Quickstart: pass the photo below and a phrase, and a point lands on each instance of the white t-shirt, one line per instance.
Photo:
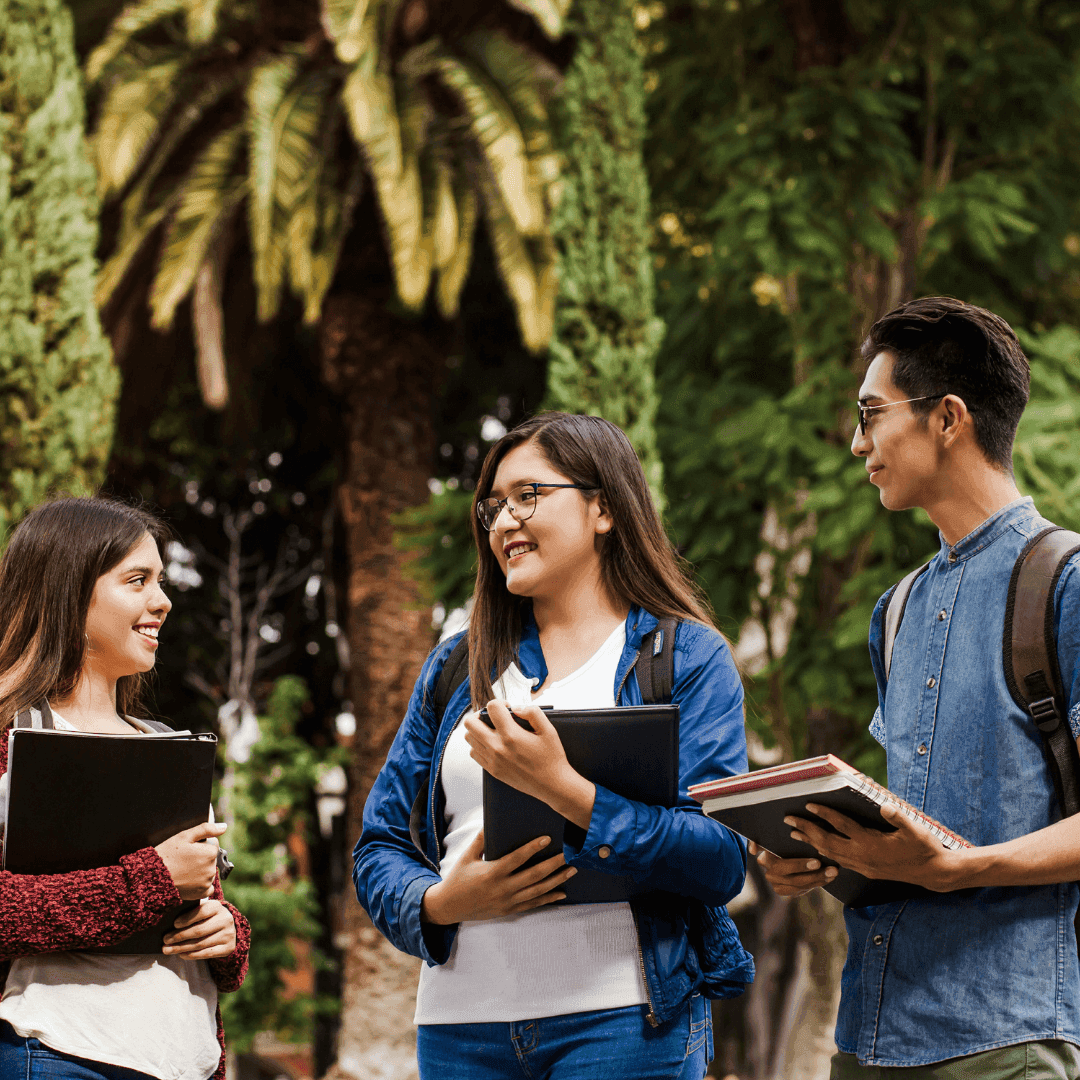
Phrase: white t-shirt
(552, 960)
(153, 1014)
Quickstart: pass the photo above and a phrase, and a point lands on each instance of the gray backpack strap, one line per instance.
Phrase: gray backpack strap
(1029, 648)
(39, 717)
(894, 612)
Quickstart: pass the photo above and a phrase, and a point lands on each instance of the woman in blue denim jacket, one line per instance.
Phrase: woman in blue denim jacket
(574, 570)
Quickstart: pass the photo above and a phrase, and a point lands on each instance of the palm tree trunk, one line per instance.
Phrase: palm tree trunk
(385, 370)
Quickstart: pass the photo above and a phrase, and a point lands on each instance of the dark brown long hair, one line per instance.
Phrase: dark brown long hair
(638, 564)
(47, 578)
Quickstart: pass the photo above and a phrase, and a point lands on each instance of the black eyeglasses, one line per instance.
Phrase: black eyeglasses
(521, 502)
(864, 409)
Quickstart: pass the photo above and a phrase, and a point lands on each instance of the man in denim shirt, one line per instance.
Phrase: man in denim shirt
(980, 979)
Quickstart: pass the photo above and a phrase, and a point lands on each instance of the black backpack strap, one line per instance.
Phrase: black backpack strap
(655, 664)
(895, 606)
(1029, 649)
(452, 675)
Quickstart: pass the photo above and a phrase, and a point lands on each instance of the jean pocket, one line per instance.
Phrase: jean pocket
(700, 1025)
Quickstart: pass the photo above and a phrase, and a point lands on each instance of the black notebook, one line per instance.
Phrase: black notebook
(78, 801)
(755, 805)
(632, 751)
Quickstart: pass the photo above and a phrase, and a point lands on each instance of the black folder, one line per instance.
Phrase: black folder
(632, 751)
(78, 801)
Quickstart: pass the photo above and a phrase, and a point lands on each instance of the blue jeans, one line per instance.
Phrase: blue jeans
(609, 1044)
(28, 1059)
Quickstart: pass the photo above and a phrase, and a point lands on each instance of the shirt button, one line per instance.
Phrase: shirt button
(952, 556)
(878, 939)
(922, 748)
(941, 615)
(604, 852)
(931, 682)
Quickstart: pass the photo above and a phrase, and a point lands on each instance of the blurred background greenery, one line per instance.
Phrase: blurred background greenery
(339, 247)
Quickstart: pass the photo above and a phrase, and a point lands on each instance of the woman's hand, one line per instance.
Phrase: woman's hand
(207, 932)
(476, 890)
(191, 859)
(530, 761)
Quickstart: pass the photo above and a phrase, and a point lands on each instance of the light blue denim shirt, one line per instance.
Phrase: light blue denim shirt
(957, 973)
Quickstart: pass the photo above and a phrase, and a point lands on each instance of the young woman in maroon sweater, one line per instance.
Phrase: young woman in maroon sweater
(81, 603)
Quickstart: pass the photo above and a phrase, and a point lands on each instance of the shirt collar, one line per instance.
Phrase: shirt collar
(1019, 510)
(530, 657)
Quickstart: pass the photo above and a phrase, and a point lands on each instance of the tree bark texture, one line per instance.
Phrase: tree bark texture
(384, 370)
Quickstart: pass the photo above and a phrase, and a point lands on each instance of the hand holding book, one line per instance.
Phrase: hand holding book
(912, 853)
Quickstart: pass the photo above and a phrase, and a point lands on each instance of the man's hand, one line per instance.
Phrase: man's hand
(476, 889)
(191, 859)
(911, 854)
(792, 877)
(530, 761)
(207, 932)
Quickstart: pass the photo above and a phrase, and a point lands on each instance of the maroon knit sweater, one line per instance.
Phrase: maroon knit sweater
(87, 908)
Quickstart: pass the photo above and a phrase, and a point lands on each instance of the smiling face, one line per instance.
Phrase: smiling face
(903, 455)
(559, 545)
(127, 609)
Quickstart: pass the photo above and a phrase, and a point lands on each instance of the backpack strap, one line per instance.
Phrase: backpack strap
(655, 664)
(452, 675)
(43, 719)
(1029, 648)
(895, 606)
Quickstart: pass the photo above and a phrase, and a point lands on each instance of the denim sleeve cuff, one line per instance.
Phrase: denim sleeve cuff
(1074, 720)
(612, 818)
(877, 726)
(433, 943)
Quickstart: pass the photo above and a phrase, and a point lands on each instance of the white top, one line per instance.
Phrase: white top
(552, 960)
(153, 1014)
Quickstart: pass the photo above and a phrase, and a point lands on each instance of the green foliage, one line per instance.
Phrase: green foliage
(440, 532)
(268, 803)
(937, 151)
(1045, 456)
(606, 332)
(57, 384)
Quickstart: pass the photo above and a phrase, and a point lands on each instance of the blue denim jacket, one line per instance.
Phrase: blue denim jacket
(966, 971)
(692, 864)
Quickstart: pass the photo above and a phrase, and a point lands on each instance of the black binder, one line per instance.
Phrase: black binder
(632, 751)
(78, 801)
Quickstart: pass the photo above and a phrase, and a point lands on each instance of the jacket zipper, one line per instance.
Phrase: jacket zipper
(651, 1014)
(434, 785)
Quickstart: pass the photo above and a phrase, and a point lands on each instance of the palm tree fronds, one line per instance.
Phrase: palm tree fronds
(370, 105)
(493, 125)
(182, 123)
(131, 117)
(343, 21)
(455, 270)
(528, 274)
(201, 20)
(208, 196)
(444, 216)
(520, 75)
(550, 14)
(284, 117)
(112, 273)
(135, 17)
(336, 216)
